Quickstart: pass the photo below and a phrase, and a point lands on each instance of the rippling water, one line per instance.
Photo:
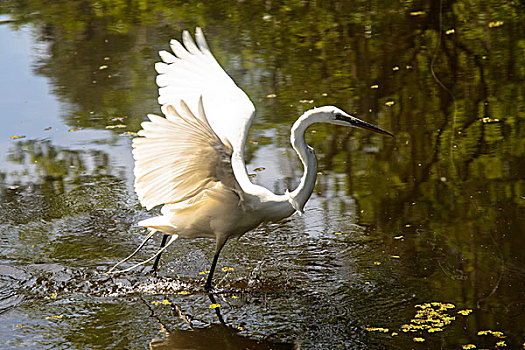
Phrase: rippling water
(435, 214)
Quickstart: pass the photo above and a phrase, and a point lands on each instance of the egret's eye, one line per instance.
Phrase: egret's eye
(338, 116)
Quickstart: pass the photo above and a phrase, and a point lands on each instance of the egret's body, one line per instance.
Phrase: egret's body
(192, 161)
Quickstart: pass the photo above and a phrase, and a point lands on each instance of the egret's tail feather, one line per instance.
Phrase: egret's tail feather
(172, 239)
(150, 234)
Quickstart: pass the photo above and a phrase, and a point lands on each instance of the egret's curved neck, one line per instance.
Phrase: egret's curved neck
(298, 197)
(302, 193)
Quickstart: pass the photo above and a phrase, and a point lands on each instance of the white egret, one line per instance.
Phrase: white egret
(192, 160)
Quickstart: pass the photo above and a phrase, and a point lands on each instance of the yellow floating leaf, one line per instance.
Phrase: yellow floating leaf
(20, 325)
(258, 169)
(377, 329)
(434, 330)
(417, 13)
(389, 103)
(419, 339)
(252, 175)
(377, 262)
(240, 328)
(495, 24)
(55, 317)
(184, 292)
(324, 94)
(52, 296)
(395, 68)
(465, 312)
(74, 129)
(214, 306)
(204, 272)
(234, 297)
(501, 344)
(398, 237)
(17, 137)
(450, 31)
(488, 120)
(395, 256)
(306, 101)
(468, 346)
(394, 334)
(374, 86)
(159, 302)
(131, 133)
(271, 96)
(338, 233)
(118, 126)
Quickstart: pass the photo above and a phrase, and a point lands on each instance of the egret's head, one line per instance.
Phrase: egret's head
(334, 115)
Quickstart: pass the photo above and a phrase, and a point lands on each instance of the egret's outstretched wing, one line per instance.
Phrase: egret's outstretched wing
(193, 72)
(179, 158)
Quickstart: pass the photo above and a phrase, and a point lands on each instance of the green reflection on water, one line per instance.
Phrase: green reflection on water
(451, 182)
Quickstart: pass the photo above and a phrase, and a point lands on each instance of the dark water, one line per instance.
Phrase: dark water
(434, 215)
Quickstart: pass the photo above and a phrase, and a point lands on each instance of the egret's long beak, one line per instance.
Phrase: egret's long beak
(363, 125)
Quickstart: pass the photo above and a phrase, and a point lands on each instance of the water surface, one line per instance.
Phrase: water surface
(434, 215)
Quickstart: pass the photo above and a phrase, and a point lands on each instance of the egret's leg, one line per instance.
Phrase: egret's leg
(162, 244)
(217, 309)
(172, 239)
(150, 234)
(218, 247)
(207, 286)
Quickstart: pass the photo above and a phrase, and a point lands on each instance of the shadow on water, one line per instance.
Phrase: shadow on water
(215, 336)
(434, 215)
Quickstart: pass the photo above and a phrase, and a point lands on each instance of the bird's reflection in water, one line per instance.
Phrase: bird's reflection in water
(215, 337)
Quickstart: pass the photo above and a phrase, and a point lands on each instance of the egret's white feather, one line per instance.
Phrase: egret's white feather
(194, 72)
(178, 158)
(166, 57)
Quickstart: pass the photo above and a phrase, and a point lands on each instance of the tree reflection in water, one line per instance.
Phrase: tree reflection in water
(450, 186)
